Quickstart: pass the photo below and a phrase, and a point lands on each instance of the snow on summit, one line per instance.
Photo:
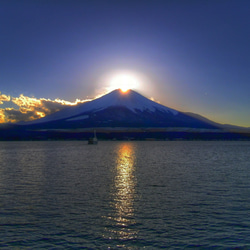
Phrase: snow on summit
(130, 99)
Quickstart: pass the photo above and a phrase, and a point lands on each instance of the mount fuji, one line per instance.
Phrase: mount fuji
(118, 109)
(122, 116)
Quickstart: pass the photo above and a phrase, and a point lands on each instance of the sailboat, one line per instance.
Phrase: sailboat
(93, 140)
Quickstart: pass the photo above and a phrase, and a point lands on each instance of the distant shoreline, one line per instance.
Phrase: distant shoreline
(139, 134)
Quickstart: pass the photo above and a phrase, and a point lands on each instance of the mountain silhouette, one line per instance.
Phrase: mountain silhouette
(118, 109)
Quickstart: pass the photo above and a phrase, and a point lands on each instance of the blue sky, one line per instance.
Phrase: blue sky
(189, 55)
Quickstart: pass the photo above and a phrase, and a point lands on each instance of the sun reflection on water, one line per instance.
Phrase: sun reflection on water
(124, 194)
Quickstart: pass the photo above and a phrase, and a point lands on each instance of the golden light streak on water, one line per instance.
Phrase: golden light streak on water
(124, 194)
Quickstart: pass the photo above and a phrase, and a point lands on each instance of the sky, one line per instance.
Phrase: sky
(189, 55)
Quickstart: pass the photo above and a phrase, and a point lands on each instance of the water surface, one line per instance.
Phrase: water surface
(132, 195)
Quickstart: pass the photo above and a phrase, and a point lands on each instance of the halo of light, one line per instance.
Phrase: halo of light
(124, 82)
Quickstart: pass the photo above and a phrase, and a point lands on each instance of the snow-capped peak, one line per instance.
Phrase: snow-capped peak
(131, 100)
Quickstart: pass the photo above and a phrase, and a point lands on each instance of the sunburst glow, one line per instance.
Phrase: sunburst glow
(124, 82)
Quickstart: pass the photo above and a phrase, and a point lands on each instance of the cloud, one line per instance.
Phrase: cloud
(2, 116)
(4, 98)
(31, 108)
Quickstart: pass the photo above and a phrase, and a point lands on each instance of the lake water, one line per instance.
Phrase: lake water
(127, 195)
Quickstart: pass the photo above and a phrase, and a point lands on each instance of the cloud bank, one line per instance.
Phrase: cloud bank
(31, 108)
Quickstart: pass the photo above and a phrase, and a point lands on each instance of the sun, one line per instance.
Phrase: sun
(124, 82)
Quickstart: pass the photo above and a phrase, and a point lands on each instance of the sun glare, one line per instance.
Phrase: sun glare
(124, 82)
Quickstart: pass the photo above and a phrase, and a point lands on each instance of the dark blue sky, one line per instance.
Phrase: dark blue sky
(189, 55)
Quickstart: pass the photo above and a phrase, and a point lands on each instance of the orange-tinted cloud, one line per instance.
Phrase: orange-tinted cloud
(4, 98)
(2, 116)
(31, 108)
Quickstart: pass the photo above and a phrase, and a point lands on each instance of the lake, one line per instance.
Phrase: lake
(125, 194)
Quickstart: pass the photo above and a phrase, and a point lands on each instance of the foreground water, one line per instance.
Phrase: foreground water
(128, 195)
